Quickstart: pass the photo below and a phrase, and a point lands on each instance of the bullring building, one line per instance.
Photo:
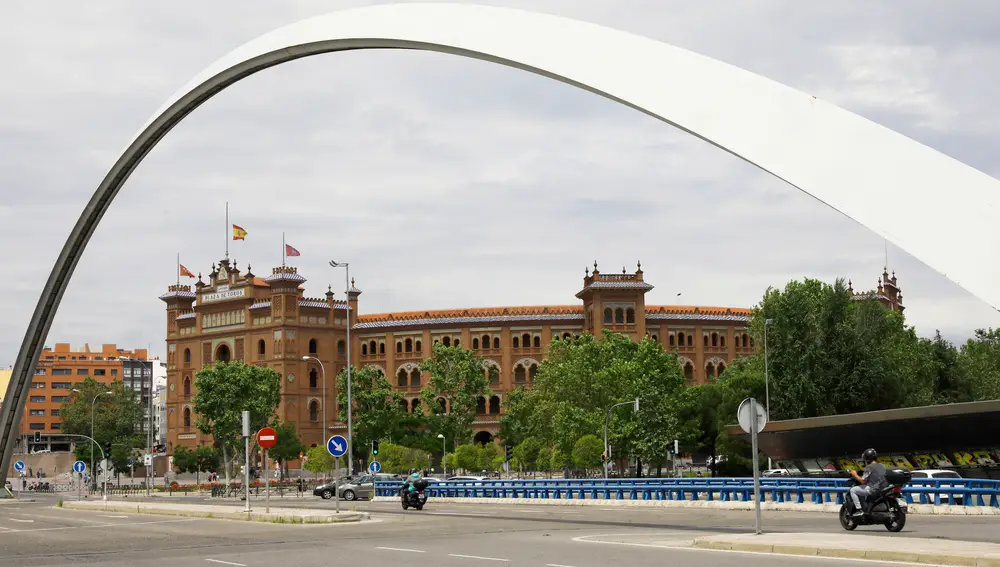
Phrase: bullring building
(269, 321)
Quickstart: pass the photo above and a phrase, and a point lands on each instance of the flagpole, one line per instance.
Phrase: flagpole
(227, 230)
(178, 268)
(283, 250)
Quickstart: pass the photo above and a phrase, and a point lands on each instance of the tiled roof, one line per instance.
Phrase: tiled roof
(696, 316)
(620, 285)
(466, 320)
(313, 303)
(185, 316)
(688, 313)
(181, 294)
(261, 305)
(284, 277)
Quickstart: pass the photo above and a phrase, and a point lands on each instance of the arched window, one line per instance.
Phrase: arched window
(710, 371)
(689, 372)
(442, 406)
(415, 378)
(364, 349)
(187, 355)
(722, 340)
(314, 411)
(381, 348)
(312, 346)
(475, 343)
(223, 354)
(630, 316)
(496, 342)
(458, 343)
(680, 338)
(480, 405)
(404, 405)
(744, 340)
(399, 347)
(607, 316)
(372, 347)
(656, 339)
(415, 406)
(408, 345)
(341, 348)
(187, 386)
(313, 378)
(721, 369)
(715, 339)
(261, 348)
(537, 342)
(567, 336)
(706, 339)
(532, 372)
(520, 375)
(495, 405)
(187, 417)
(690, 340)
(619, 315)
(486, 341)
(420, 345)
(516, 342)
(401, 378)
(670, 340)
(446, 341)
(526, 340)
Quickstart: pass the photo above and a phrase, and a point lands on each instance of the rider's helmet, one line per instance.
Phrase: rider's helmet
(869, 455)
(415, 476)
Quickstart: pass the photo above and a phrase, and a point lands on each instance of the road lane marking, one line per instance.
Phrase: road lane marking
(401, 549)
(226, 562)
(108, 525)
(556, 565)
(457, 514)
(116, 517)
(478, 557)
(22, 521)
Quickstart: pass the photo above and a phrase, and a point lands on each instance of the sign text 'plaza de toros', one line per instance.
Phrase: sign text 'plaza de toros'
(270, 322)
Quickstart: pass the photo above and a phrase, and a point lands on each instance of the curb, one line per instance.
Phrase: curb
(276, 518)
(846, 553)
(829, 508)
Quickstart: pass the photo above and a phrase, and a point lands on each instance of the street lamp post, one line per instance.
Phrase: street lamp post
(767, 388)
(350, 428)
(607, 420)
(93, 406)
(322, 371)
(444, 455)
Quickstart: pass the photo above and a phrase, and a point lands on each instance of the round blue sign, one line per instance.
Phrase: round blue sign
(337, 445)
(374, 467)
(19, 466)
(79, 466)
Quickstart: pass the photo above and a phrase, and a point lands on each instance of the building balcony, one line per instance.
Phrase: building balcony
(413, 355)
(620, 327)
(526, 351)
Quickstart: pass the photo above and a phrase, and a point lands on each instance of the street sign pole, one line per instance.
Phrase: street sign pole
(267, 484)
(756, 465)
(336, 486)
(246, 458)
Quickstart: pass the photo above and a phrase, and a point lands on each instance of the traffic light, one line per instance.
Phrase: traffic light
(107, 450)
(38, 437)
(508, 452)
(375, 447)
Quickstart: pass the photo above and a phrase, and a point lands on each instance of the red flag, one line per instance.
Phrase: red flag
(185, 271)
(289, 251)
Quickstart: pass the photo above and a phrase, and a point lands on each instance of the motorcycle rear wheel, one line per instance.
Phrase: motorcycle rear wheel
(846, 521)
(898, 518)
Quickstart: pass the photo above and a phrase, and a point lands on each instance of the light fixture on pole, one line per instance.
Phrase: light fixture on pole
(444, 454)
(607, 420)
(322, 370)
(767, 388)
(350, 428)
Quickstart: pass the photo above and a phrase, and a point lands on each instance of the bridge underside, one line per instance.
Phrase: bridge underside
(960, 437)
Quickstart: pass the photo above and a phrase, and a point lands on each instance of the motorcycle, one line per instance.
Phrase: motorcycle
(887, 507)
(414, 498)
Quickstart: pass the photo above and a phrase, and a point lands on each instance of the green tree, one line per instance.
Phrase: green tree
(587, 452)
(376, 414)
(951, 379)
(527, 453)
(318, 460)
(467, 457)
(699, 414)
(115, 418)
(489, 457)
(225, 391)
(460, 377)
(543, 462)
(560, 460)
(206, 460)
(980, 361)
(287, 447)
(185, 460)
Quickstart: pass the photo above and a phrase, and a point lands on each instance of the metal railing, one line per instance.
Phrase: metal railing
(966, 492)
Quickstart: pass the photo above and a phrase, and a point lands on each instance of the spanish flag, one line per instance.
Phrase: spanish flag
(239, 233)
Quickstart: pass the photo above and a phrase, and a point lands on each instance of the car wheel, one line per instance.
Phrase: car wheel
(327, 494)
(349, 495)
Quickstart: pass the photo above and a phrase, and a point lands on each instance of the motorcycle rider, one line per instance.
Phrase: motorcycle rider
(872, 481)
(408, 484)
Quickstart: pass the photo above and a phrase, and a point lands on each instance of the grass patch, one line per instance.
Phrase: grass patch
(59, 503)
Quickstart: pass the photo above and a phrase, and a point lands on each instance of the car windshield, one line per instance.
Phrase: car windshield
(947, 475)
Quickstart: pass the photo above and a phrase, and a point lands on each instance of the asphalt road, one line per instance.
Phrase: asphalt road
(37, 534)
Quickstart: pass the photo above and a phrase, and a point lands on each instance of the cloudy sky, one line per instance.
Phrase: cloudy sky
(455, 183)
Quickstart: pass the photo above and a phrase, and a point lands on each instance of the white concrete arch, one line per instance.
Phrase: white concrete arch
(934, 207)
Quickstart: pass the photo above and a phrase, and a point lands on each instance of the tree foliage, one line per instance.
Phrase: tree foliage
(980, 362)
(287, 446)
(396, 459)
(460, 377)
(587, 452)
(318, 460)
(115, 418)
(376, 414)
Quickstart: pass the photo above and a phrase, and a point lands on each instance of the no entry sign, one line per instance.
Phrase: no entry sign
(267, 437)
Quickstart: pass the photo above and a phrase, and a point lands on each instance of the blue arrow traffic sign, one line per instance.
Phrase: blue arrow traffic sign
(374, 467)
(337, 445)
(79, 466)
(19, 466)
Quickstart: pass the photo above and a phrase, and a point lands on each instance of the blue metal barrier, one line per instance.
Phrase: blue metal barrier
(967, 492)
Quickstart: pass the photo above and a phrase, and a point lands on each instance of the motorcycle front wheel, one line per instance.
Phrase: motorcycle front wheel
(898, 518)
(846, 521)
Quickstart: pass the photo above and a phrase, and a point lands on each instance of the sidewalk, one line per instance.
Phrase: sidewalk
(857, 546)
(257, 513)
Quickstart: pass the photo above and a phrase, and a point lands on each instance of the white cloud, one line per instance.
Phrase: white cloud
(448, 182)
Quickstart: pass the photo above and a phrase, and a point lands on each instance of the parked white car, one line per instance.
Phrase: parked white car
(941, 474)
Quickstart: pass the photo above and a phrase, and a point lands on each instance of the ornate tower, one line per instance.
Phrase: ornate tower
(615, 301)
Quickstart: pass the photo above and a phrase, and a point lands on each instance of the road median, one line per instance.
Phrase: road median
(858, 546)
(257, 513)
